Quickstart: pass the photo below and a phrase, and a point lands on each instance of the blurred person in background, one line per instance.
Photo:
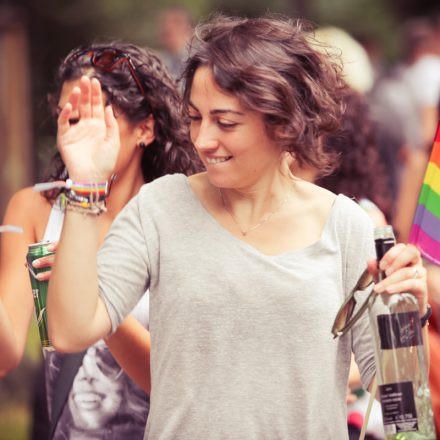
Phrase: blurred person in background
(421, 74)
(356, 67)
(147, 107)
(174, 32)
(404, 108)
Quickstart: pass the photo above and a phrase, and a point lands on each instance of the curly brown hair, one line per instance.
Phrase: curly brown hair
(269, 64)
(361, 173)
(171, 150)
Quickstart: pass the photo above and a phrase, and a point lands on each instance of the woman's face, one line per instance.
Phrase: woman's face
(97, 391)
(128, 132)
(231, 140)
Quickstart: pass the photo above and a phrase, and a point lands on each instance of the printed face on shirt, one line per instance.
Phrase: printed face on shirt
(97, 391)
(231, 140)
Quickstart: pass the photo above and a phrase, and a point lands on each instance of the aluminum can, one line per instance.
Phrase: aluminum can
(39, 290)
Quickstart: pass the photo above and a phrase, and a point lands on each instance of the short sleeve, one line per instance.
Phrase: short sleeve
(357, 244)
(123, 264)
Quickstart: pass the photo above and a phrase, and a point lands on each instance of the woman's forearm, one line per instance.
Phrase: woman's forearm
(130, 346)
(77, 317)
(9, 348)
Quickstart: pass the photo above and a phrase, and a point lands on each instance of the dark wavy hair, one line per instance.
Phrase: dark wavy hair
(270, 65)
(171, 151)
(361, 173)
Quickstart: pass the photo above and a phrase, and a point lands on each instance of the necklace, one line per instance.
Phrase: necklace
(263, 220)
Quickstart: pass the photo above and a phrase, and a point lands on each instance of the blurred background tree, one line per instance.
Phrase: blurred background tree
(36, 34)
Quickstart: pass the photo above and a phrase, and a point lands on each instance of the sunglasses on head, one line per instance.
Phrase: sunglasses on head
(345, 319)
(108, 59)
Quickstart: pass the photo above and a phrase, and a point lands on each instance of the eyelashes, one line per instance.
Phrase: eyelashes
(220, 123)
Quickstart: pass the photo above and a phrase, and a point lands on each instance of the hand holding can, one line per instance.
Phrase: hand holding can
(39, 289)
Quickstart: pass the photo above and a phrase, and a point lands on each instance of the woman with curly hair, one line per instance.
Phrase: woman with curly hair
(246, 267)
(83, 392)
(359, 172)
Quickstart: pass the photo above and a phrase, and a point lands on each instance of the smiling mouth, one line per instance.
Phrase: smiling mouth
(214, 160)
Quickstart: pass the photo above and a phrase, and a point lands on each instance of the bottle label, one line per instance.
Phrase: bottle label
(398, 408)
(399, 330)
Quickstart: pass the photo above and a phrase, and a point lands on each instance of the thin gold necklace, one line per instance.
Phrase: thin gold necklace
(263, 220)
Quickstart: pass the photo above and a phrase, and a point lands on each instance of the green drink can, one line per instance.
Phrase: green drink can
(39, 290)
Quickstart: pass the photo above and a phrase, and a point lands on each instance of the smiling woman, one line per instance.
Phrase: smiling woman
(246, 264)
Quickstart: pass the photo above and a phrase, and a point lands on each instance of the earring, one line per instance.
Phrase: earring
(142, 145)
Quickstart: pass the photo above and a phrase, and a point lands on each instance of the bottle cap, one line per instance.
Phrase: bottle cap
(384, 233)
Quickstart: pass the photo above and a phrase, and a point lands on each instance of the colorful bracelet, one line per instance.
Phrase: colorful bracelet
(80, 196)
(91, 192)
(88, 208)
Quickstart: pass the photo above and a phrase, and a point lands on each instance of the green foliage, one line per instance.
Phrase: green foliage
(373, 18)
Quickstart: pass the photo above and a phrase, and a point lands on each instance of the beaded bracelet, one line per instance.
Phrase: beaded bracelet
(87, 208)
(91, 192)
(80, 196)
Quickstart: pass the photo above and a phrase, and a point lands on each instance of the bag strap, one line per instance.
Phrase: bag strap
(69, 367)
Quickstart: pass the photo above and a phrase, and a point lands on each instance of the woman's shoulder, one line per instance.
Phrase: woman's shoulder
(28, 209)
(344, 212)
(26, 201)
(168, 182)
(166, 189)
(319, 200)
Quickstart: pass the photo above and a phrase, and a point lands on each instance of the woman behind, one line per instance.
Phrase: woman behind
(246, 267)
(88, 394)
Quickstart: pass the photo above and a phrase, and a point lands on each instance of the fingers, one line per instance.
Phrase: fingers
(44, 262)
(411, 278)
(96, 99)
(398, 256)
(404, 273)
(85, 108)
(67, 111)
(52, 247)
(90, 100)
(44, 276)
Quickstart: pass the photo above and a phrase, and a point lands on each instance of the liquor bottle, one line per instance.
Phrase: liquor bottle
(401, 370)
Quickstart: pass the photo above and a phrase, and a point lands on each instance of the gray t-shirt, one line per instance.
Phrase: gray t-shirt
(241, 346)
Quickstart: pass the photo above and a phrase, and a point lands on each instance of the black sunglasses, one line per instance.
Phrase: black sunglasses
(344, 319)
(108, 59)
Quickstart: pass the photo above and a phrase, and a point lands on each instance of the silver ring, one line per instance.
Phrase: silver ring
(416, 273)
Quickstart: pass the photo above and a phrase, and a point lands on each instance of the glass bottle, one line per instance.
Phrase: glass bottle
(401, 369)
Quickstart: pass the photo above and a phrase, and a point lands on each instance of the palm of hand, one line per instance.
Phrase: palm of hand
(90, 146)
(88, 152)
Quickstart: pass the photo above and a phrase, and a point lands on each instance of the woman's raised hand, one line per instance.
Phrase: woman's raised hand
(89, 147)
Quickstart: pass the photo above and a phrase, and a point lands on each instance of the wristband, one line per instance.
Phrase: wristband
(86, 192)
(426, 316)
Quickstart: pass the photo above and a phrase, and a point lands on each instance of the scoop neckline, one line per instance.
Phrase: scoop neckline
(310, 248)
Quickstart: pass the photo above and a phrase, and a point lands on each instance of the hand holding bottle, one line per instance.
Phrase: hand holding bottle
(88, 135)
(404, 273)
